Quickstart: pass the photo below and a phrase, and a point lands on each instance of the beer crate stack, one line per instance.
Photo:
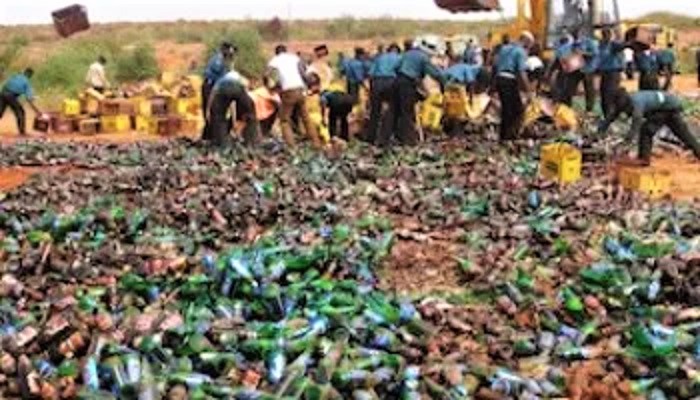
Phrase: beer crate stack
(157, 110)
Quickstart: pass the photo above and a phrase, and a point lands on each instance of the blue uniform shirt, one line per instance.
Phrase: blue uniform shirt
(385, 65)
(647, 61)
(471, 55)
(563, 51)
(611, 58)
(356, 70)
(229, 77)
(19, 84)
(667, 57)
(462, 73)
(511, 58)
(416, 64)
(216, 68)
(590, 48)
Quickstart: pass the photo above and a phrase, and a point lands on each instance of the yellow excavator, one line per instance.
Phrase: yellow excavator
(548, 20)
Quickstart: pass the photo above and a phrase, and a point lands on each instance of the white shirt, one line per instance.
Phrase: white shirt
(96, 76)
(629, 55)
(287, 65)
(534, 63)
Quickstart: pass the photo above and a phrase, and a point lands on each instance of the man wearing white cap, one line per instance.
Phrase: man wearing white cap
(510, 69)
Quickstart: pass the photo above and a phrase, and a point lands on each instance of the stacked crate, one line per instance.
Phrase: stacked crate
(115, 115)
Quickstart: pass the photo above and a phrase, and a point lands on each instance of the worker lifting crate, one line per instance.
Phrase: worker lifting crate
(560, 162)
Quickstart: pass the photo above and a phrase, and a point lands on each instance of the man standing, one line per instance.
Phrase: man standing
(227, 90)
(648, 66)
(17, 86)
(510, 68)
(356, 73)
(650, 111)
(473, 54)
(667, 64)
(590, 50)
(321, 67)
(96, 77)
(291, 71)
(217, 67)
(415, 65)
(382, 75)
(610, 66)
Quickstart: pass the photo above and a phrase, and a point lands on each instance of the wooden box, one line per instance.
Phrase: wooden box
(70, 20)
(89, 126)
(113, 107)
(61, 124)
(165, 126)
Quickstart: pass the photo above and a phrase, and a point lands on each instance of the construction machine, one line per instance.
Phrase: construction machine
(548, 20)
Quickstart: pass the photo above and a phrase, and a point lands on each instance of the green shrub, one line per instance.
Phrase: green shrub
(64, 71)
(250, 60)
(10, 53)
(137, 64)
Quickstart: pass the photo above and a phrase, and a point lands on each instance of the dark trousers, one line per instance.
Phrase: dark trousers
(512, 108)
(649, 80)
(218, 127)
(609, 84)
(99, 89)
(404, 108)
(338, 111)
(11, 100)
(207, 87)
(354, 91)
(267, 124)
(571, 82)
(674, 121)
(698, 73)
(629, 70)
(381, 95)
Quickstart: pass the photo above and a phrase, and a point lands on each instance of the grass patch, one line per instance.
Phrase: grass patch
(64, 71)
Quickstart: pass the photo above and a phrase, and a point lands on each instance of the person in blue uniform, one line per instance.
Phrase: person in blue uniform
(463, 74)
(650, 111)
(382, 77)
(610, 65)
(415, 65)
(15, 88)
(510, 71)
(667, 65)
(569, 81)
(228, 89)
(218, 65)
(356, 71)
(647, 63)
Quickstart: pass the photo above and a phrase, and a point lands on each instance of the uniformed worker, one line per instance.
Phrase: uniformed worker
(667, 64)
(217, 67)
(356, 73)
(415, 65)
(227, 90)
(382, 78)
(510, 71)
(336, 106)
(610, 65)
(650, 111)
(647, 64)
(15, 88)
(463, 74)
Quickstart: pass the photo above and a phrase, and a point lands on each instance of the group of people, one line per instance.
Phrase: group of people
(394, 77)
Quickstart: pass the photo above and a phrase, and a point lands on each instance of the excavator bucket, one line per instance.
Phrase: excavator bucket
(457, 6)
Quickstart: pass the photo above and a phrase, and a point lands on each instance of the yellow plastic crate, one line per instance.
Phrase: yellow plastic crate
(560, 162)
(655, 184)
(431, 116)
(142, 123)
(455, 104)
(70, 108)
(90, 105)
(196, 82)
(317, 120)
(184, 107)
(168, 79)
(115, 123)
